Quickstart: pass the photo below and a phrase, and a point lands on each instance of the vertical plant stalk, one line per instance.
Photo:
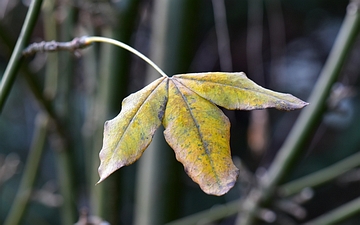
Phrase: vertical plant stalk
(147, 178)
(277, 35)
(113, 84)
(222, 34)
(258, 124)
(99, 193)
(15, 60)
(22, 198)
(64, 146)
(308, 119)
(254, 40)
(157, 179)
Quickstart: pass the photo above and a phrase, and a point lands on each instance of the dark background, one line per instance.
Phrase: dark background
(281, 45)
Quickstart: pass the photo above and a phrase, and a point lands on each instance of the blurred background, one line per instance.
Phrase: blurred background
(280, 44)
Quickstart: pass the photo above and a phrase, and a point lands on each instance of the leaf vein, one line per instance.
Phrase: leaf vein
(198, 129)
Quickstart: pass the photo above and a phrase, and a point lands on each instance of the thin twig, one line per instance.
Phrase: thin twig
(52, 46)
(82, 42)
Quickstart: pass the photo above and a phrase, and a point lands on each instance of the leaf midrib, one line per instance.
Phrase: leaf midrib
(197, 127)
(261, 90)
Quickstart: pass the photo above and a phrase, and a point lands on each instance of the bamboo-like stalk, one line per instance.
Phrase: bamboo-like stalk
(22, 198)
(113, 83)
(148, 183)
(158, 187)
(100, 193)
(64, 147)
(15, 60)
(222, 34)
(308, 119)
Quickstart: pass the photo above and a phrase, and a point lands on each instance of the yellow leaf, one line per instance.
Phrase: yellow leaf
(195, 127)
(199, 133)
(236, 91)
(129, 133)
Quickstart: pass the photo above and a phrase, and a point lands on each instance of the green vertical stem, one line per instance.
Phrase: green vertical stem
(66, 181)
(114, 72)
(308, 119)
(20, 204)
(52, 73)
(15, 60)
(222, 34)
(64, 147)
(147, 179)
(101, 107)
(158, 187)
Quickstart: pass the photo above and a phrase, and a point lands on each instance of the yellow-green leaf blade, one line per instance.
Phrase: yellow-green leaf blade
(236, 91)
(199, 133)
(129, 133)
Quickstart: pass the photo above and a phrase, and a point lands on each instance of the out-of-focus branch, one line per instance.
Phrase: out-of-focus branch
(15, 60)
(308, 119)
(320, 177)
(339, 214)
(222, 34)
(23, 195)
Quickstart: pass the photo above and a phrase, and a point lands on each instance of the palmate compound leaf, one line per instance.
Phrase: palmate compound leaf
(195, 127)
(129, 133)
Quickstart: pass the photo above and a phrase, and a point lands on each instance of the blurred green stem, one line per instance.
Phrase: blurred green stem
(158, 184)
(64, 146)
(19, 206)
(211, 215)
(320, 177)
(308, 119)
(149, 185)
(312, 180)
(339, 214)
(15, 60)
(222, 35)
(113, 82)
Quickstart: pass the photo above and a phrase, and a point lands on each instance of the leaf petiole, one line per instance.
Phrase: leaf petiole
(89, 40)
(82, 42)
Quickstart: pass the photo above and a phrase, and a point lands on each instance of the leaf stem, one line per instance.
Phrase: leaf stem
(92, 39)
